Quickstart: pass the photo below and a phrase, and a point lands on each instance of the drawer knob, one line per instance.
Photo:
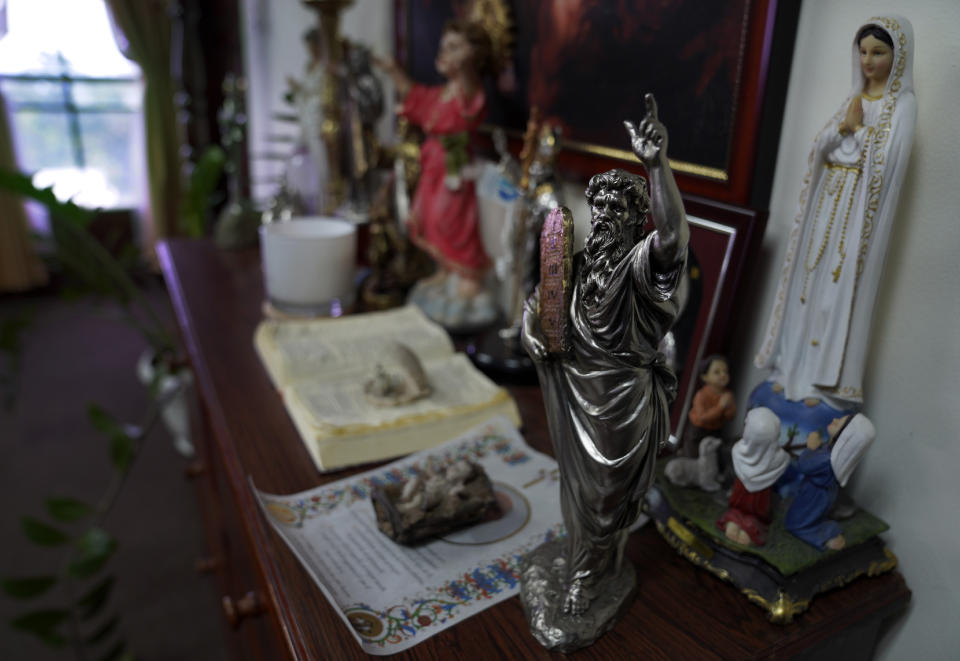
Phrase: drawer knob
(249, 605)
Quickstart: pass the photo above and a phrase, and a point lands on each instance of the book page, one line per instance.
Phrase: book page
(338, 349)
(342, 407)
(392, 597)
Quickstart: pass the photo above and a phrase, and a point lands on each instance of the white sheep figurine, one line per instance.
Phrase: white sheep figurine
(700, 472)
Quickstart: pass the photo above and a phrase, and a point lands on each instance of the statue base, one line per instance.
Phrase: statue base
(441, 303)
(501, 357)
(542, 591)
(378, 297)
(783, 576)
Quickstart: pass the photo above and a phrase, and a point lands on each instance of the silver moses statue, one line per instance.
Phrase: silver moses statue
(606, 388)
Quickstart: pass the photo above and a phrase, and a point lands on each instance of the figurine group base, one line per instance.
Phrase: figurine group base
(782, 594)
(542, 592)
(501, 357)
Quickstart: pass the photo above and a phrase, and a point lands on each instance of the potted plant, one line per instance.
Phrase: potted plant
(82, 621)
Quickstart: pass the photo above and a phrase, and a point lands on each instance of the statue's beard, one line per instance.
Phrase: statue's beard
(603, 250)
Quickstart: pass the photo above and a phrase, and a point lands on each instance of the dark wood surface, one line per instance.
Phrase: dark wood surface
(682, 612)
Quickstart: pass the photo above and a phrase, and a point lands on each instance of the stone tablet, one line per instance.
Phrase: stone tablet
(556, 278)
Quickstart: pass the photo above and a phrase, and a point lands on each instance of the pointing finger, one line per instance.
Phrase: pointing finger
(651, 104)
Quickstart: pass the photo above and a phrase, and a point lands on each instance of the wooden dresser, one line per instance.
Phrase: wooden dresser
(276, 610)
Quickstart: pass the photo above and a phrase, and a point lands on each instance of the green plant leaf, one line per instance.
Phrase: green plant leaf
(39, 620)
(85, 263)
(86, 258)
(116, 652)
(122, 446)
(103, 631)
(26, 588)
(39, 532)
(11, 330)
(18, 182)
(88, 565)
(91, 603)
(43, 624)
(121, 451)
(101, 420)
(94, 549)
(129, 257)
(22, 184)
(51, 638)
(68, 509)
(199, 196)
(161, 370)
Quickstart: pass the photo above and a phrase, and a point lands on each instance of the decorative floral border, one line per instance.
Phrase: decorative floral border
(395, 624)
(295, 512)
(435, 607)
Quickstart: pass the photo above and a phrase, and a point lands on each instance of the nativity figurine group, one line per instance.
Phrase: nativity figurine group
(764, 474)
(803, 433)
(807, 485)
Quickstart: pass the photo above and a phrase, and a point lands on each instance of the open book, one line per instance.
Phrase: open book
(320, 368)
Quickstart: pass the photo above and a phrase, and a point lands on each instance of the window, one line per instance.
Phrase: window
(74, 102)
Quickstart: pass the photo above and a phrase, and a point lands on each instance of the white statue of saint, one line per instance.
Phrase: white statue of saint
(818, 331)
(306, 95)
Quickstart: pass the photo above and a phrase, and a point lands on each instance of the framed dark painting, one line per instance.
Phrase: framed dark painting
(722, 237)
(703, 62)
(586, 65)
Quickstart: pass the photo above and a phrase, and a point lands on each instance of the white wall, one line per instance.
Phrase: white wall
(909, 477)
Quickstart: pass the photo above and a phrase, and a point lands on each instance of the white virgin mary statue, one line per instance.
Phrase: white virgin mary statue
(817, 335)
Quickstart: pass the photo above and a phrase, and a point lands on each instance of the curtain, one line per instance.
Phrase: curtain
(20, 268)
(142, 31)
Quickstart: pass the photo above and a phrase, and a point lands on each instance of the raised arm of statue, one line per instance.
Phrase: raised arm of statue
(649, 142)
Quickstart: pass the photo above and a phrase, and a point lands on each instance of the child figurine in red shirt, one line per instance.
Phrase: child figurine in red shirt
(713, 405)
